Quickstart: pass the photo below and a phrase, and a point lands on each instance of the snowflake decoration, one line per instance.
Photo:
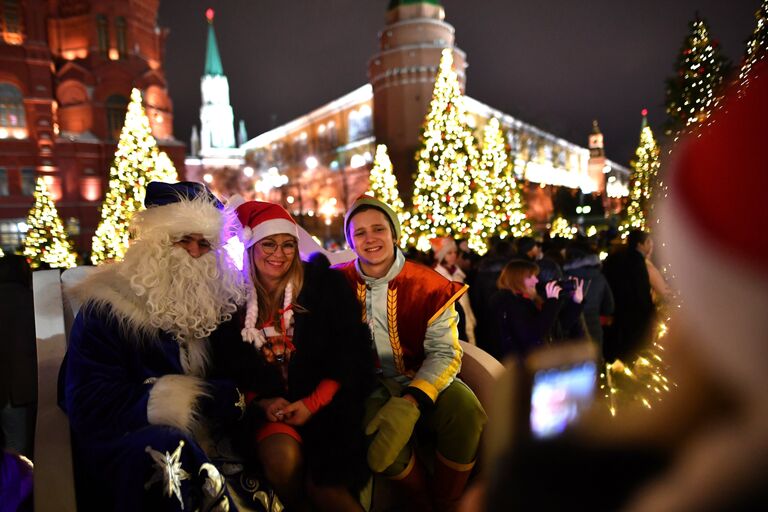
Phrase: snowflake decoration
(168, 469)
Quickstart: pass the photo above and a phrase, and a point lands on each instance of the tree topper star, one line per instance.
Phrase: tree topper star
(168, 469)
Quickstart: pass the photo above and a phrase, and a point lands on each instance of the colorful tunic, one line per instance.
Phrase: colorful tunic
(412, 317)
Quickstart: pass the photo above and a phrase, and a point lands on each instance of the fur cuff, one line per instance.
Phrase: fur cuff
(173, 401)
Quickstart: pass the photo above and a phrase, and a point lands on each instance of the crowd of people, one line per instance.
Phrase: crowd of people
(186, 379)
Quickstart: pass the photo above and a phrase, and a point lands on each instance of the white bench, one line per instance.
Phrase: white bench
(54, 483)
(54, 489)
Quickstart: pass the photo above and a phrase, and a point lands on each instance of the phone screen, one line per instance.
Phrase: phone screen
(559, 395)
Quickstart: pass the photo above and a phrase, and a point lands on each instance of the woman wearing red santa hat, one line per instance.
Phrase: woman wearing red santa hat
(304, 357)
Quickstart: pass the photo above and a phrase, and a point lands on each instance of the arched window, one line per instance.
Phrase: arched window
(11, 22)
(116, 107)
(12, 113)
(120, 35)
(103, 30)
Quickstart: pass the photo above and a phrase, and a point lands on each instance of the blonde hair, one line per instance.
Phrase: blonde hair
(270, 303)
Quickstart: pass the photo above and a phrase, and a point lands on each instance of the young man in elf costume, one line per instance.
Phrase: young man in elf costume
(135, 382)
(410, 311)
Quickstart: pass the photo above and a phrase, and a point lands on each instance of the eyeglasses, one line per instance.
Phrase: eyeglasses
(270, 246)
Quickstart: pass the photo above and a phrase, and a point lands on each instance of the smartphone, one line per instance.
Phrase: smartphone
(561, 384)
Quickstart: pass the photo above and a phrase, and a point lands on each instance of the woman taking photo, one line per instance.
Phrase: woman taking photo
(303, 359)
(523, 320)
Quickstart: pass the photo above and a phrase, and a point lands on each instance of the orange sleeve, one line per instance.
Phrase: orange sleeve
(321, 396)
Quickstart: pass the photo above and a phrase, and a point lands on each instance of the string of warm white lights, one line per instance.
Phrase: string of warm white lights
(695, 90)
(645, 169)
(45, 241)
(447, 164)
(383, 185)
(137, 162)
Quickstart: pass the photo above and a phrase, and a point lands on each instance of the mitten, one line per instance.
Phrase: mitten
(393, 426)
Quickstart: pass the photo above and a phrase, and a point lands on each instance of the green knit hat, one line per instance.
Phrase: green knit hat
(366, 200)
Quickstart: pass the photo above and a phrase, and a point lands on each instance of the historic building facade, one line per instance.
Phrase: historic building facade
(318, 164)
(67, 68)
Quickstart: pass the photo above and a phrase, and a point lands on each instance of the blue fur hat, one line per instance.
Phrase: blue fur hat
(161, 194)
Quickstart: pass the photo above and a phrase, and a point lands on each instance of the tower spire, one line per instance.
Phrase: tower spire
(216, 116)
(213, 65)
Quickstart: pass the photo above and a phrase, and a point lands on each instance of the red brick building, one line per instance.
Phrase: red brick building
(67, 68)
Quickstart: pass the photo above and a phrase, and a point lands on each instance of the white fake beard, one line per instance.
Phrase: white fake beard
(188, 297)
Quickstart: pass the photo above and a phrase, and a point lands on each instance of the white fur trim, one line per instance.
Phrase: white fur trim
(180, 218)
(234, 201)
(196, 360)
(173, 401)
(105, 286)
(271, 227)
(724, 301)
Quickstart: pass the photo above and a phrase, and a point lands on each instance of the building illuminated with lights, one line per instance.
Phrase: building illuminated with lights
(317, 164)
(66, 72)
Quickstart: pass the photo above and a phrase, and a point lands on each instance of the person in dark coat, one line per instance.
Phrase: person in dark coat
(482, 289)
(304, 358)
(18, 361)
(627, 275)
(583, 262)
(523, 320)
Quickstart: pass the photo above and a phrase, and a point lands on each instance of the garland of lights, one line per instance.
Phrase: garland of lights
(383, 186)
(45, 241)
(757, 46)
(497, 195)
(447, 165)
(642, 381)
(694, 91)
(137, 162)
(645, 169)
(562, 229)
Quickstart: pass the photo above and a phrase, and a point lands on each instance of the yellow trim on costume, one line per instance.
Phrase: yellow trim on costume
(456, 466)
(407, 471)
(426, 387)
(361, 299)
(452, 369)
(448, 303)
(394, 336)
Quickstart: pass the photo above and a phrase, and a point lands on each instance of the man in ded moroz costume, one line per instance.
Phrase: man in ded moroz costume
(134, 380)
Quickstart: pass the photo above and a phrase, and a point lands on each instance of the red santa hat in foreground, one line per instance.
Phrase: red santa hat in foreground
(260, 220)
(712, 234)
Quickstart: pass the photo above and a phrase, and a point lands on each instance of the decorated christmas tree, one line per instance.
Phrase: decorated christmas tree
(757, 45)
(694, 91)
(46, 242)
(645, 168)
(447, 164)
(137, 162)
(504, 213)
(383, 185)
(561, 229)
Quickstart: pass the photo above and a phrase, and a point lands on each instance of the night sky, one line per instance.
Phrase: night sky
(556, 64)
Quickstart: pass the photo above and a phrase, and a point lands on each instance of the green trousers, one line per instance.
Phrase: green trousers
(452, 427)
